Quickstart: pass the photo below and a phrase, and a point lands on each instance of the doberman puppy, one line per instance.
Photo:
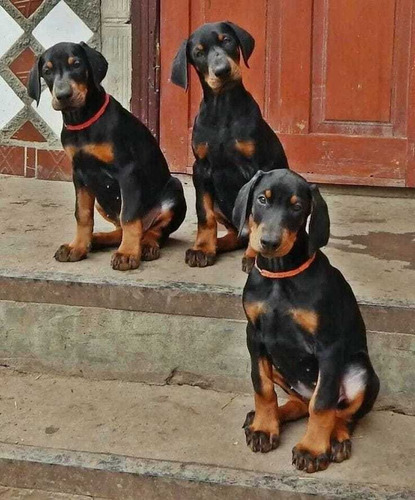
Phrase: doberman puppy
(231, 141)
(116, 161)
(305, 331)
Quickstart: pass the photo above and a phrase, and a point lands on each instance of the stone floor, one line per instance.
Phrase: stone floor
(372, 242)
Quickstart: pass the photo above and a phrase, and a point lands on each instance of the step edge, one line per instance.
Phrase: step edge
(194, 472)
(164, 297)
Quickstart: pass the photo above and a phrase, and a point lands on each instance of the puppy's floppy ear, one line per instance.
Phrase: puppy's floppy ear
(97, 62)
(319, 228)
(243, 204)
(179, 69)
(33, 86)
(246, 41)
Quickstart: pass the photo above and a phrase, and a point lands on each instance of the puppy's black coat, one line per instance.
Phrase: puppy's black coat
(305, 331)
(116, 161)
(231, 141)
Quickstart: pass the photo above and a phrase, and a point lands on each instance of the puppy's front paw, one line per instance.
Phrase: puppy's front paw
(68, 253)
(307, 461)
(198, 258)
(259, 440)
(150, 252)
(124, 262)
(247, 264)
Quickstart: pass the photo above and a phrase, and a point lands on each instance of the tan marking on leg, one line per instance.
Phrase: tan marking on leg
(84, 214)
(110, 239)
(152, 237)
(293, 409)
(132, 233)
(246, 148)
(207, 235)
(319, 429)
(308, 320)
(201, 150)
(266, 403)
(254, 309)
(228, 242)
(279, 379)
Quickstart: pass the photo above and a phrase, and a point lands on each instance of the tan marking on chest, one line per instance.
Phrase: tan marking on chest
(255, 309)
(246, 148)
(201, 150)
(308, 320)
(103, 151)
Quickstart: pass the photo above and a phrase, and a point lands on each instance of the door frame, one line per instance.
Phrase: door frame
(145, 59)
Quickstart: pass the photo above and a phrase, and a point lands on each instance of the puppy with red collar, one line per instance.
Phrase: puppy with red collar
(305, 331)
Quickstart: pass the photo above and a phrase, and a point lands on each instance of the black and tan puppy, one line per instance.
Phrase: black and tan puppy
(117, 163)
(231, 141)
(305, 331)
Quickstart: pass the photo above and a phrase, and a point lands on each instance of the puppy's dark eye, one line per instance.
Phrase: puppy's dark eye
(297, 207)
(262, 199)
(76, 63)
(226, 39)
(198, 54)
(47, 71)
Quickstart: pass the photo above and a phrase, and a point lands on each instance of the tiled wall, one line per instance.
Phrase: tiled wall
(29, 135)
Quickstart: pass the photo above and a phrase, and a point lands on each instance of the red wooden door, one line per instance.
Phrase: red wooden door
(334, 78)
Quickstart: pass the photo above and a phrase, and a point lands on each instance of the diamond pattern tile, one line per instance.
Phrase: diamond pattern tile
(11, 160)
(10, 31)
(61, 25)
(22, 65)
(10, 104)
(52, 118)
(28, 132)
(27, 7)
(53, 166)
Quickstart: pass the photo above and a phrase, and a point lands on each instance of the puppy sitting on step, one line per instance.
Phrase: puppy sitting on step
(305, 331)
(117, 163)
(231, 141)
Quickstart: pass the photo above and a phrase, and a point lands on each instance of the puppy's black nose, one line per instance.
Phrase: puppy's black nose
(269, 244)
(222, 71)
(63, 93)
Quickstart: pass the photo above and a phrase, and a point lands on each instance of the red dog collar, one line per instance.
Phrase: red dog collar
(93, 119)
(286, 274)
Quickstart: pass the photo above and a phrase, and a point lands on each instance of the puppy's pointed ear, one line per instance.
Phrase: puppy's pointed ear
(97, 63)
(246, 41)
(319, 228)
(33, 86)
(243, 205)
(179, 69)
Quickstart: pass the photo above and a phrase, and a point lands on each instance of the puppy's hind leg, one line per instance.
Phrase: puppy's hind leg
(106, 239)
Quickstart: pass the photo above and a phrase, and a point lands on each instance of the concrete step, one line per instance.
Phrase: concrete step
(166, 321)
(113, 439)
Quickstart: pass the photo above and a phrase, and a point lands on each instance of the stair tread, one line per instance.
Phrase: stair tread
(371, 244)
(186, 425)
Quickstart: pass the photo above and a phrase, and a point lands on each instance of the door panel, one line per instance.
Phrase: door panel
(334, 78)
